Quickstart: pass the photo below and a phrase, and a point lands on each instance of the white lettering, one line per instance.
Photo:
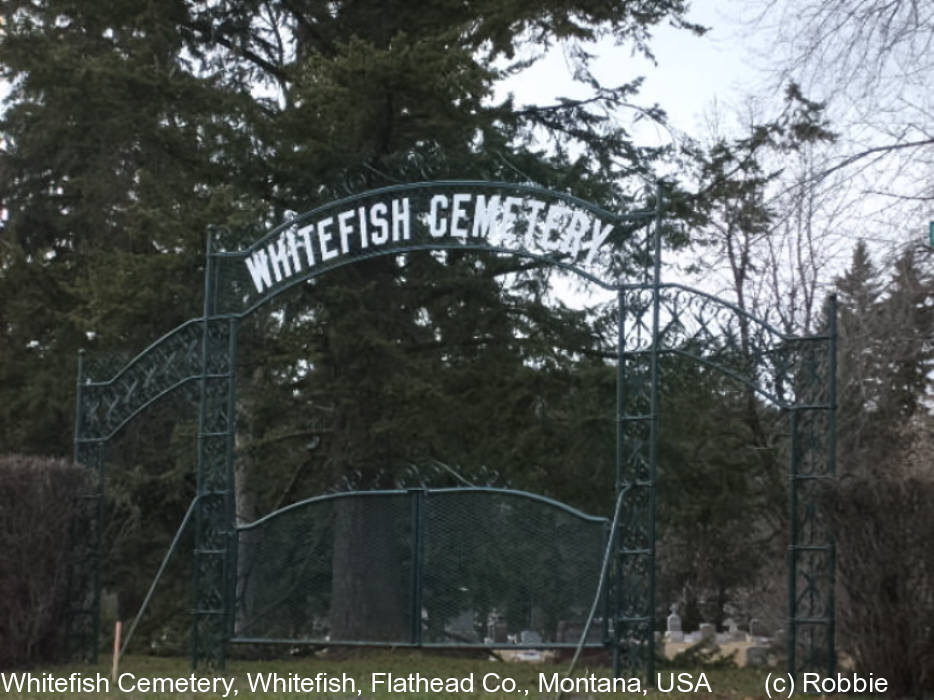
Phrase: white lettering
(305, 233)
(258, 266)
(504, 222)
(324, 237)
(508, 220)
(130, 678)
(279, 259)
(362, 224)
(436, 228)
(400, 219)
(597, 237)
(458, 214)
(554, 220)
(345, 229)
(378, 218)
(571, 240)
(484, 215)
(12, 682)
(535, 209)
(293, 250)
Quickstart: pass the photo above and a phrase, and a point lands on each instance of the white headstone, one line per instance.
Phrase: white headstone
(674, 621)
(732, 630)
(673, 629)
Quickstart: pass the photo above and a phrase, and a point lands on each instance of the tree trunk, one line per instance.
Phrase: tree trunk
(368, 592)
(246, 512)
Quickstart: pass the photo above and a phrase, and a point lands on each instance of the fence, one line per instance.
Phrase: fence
(422, 567)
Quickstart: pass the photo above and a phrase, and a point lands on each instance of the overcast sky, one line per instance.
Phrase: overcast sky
(691, 72)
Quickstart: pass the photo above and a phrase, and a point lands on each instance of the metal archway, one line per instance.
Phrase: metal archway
(794, 373)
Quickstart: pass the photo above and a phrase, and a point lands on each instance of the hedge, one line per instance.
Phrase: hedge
(38, 531)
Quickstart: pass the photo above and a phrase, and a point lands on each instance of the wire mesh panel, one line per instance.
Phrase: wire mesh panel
(506, 567)
(332, 569)
(447, 567)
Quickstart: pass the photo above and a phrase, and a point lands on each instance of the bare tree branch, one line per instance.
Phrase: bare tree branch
(856, 157)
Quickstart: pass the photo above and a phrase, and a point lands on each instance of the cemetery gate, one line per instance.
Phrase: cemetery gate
(655, 318)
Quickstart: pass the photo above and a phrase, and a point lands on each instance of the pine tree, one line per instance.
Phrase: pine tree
(113, 167)
(132, 128)
(858, 364)
(884, 357)
(908, 315)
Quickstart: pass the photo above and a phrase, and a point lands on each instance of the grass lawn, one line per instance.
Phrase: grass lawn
(360, 666)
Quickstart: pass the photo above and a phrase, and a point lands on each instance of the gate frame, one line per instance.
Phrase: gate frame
(202, 352)
(418, 498)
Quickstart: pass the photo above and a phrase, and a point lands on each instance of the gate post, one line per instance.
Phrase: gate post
(82, 631)
(636, 466)
(214, 568)
(417, 527)
(811, 551)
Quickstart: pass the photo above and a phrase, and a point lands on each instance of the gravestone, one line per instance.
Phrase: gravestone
(732, 630)
(497, 630)
(673, 631)
(462, 627)
(571, 631)
(757, 657)
(759, 628)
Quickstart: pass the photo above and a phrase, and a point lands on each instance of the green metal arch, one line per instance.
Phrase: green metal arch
(152, 374)
(783, 342)
(765, 325)
(236, 298)
(210, 359)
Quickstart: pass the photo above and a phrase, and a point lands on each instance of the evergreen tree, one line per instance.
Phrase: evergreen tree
(885, 356)
(132, 128)
(114, 164)
(858, 363)
(908, 313)
(880, 508)
(720, 495)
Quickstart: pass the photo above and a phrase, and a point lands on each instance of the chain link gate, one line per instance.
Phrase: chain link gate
(654, 319)
(465, 567)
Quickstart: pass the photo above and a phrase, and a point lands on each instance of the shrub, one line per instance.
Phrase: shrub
(38, 505)
(884, 530)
